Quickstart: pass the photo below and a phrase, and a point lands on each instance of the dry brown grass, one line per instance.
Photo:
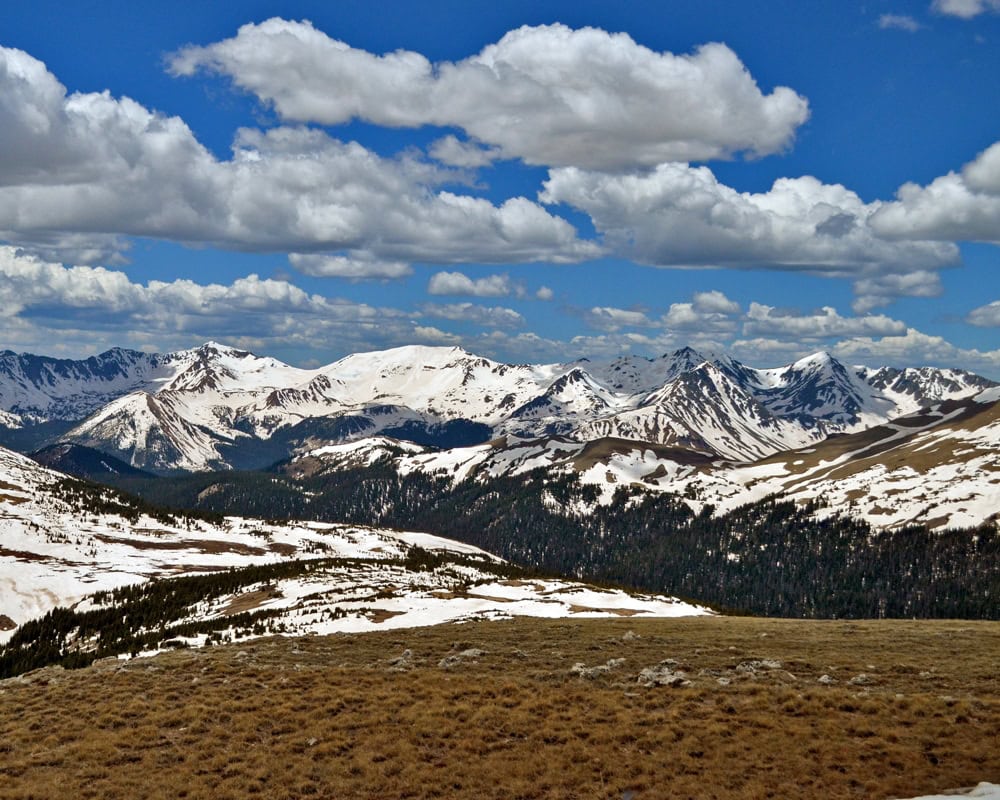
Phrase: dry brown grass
(346, 717)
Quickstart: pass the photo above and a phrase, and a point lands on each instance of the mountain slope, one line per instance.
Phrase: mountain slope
(938, 467)
(215, 407)
(62, 540)
(87, 463)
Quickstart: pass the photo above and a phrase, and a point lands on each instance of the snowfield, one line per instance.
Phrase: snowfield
(984, 791)
(938, 467)
(52, 555)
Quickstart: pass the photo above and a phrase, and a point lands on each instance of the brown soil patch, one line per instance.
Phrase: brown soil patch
(325, 717)
(600, 450)
(618, 612)
(283, 548)
(489, 597)
(250, 601)
(22, 555)
(206, 546)
(378, 615)
(6, 623)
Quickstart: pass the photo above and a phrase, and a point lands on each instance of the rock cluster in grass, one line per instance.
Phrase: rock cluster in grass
(402, 662)
(584, 671)
(454, 659)
(663, 674)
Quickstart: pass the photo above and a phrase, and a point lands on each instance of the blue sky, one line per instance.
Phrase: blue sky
(532, 181)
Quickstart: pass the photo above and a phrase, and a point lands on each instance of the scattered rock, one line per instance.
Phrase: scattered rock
(457, 658)
(584, 671)
(826, 680)
(663, 674)
(757, 665)
(860, 680)
(629, 636)
(401, 662)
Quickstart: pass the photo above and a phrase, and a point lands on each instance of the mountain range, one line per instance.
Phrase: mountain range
(895, 446)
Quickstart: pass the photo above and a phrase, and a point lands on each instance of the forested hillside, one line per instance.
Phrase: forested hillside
(771, 558)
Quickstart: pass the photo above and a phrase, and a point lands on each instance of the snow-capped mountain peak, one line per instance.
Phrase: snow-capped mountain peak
(196, 409)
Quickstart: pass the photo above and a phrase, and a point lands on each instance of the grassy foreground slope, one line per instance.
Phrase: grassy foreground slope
(517, 710)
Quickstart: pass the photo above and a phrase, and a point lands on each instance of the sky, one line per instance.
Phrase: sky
(532, 181)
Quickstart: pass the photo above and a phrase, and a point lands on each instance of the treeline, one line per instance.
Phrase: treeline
(769, 558)
(135, 618)
(144, 616)
(83, 496)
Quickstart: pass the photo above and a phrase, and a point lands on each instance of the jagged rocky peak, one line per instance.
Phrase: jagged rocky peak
(818, 366)
(637, 374)
(575, 375)
(817, 386)
(212, 400)
(685, 357)
(925, 384)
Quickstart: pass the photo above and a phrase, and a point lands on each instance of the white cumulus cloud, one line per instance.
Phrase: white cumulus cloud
(456, 153)
(495, 316)
(549, 95)
(96, 166)
(460, 284)
(987, 316)
(767, 321)
(915, 347)
(708, 313)
(43, 302)
(880, 290)
(351, 267)
(608, 318)
(961, 205)
(716, 302)
(679, 215)
(901, 22)
(966, 9)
